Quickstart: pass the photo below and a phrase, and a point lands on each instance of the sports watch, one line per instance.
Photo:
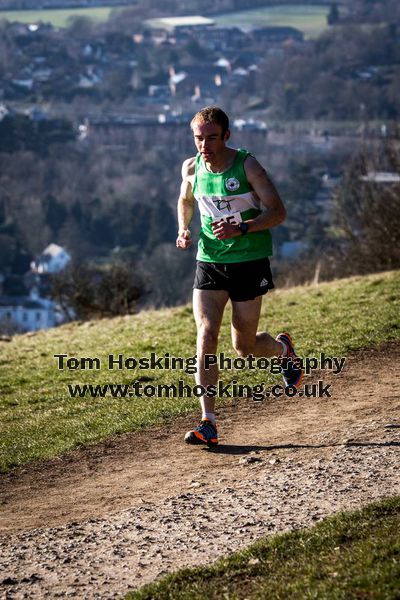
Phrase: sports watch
(243, 227)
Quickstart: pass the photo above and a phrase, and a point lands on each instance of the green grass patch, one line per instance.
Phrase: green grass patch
(59, 17)
(311, 20)
(38, 418)
(353, 555)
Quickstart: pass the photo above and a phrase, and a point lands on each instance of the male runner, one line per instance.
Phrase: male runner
(238, 205)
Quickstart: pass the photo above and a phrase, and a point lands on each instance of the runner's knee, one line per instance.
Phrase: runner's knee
(243, 347)
(206, 335)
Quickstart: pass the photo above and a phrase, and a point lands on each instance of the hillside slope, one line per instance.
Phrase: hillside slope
(40, 420)
(108, 518)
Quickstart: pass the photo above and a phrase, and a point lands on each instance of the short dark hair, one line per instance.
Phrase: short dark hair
(212, 114)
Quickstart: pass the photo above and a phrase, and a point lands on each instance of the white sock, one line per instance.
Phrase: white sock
(285, 348)
(209, 416)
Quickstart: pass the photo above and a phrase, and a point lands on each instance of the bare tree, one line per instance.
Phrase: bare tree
(367, 215)
(87, 291)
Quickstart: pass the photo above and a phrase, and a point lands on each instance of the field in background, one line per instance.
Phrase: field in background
(311, 20)
(39, 420)
(59, 17)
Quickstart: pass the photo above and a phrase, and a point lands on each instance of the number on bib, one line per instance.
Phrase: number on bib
(233, 219)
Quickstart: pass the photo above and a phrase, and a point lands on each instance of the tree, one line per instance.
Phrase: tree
(80, 27)
(88, 292)
(367, 214)
(333, 15)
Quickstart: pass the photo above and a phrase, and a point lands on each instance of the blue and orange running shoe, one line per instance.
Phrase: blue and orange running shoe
(205, 433)
(291, 364)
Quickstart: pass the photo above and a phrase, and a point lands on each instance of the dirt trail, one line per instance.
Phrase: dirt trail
(111, 517)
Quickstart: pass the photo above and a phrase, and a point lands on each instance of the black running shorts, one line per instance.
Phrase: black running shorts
(243, 281)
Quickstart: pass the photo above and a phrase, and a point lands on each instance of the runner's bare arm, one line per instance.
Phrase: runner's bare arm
(185, 205)
(274, 213)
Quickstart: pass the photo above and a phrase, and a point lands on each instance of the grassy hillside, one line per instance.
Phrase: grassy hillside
(352, 555)
(38, 418)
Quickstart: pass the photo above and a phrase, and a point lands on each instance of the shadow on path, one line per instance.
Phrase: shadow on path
(240, 449)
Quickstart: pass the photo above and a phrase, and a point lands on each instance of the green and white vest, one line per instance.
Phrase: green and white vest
(228, 196)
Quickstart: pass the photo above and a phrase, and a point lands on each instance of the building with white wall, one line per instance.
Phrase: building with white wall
(28, 313)
(53, 259)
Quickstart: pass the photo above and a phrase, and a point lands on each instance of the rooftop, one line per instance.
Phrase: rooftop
(53, 250)
(170, 23)
(381, 177)
(22, 301)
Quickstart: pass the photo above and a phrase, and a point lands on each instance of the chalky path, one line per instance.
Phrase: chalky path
(108, 518)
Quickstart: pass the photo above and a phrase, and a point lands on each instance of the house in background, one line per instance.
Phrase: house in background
(381, 177)
(28, 313)
(36, 311)
(53, 259)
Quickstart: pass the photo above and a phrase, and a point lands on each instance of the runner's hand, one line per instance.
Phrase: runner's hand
(223, 230)
(183, 241)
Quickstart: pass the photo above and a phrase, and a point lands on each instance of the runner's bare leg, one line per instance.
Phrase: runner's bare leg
(208, 310)
(245, 338)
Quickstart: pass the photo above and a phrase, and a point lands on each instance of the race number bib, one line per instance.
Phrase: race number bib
(233, 219)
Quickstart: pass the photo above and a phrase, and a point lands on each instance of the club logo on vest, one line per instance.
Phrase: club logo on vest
(232, 184)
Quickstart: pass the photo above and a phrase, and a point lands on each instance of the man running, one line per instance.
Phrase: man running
(238, 205)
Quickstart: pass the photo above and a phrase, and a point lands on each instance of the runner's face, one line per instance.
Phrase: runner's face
(209, 140)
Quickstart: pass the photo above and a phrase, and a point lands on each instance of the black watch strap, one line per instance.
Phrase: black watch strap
(243, 227)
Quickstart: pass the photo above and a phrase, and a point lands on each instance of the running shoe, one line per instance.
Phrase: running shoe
(291, 365)
(205, 433)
